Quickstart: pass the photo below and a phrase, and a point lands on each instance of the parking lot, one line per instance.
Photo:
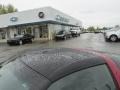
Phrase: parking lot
(86, 41)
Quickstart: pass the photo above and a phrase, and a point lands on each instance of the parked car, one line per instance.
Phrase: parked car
(20, 39)
(75, 32)
(112, 35)
(63, 34)
(61, 69)
(98, 31)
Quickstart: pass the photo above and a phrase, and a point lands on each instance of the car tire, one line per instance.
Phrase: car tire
(56, 38)
(31, 41)
(20, 42)
(10, 44)
(65, 37)
(113, 38)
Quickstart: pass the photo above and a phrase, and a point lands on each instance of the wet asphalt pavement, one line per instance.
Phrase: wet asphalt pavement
(86, 41)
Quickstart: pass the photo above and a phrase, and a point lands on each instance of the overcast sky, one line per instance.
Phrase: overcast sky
(90, 12)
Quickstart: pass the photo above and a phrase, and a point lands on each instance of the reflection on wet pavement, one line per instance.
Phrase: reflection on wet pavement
(87, 41)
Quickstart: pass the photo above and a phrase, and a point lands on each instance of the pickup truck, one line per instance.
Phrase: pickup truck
(112, 35)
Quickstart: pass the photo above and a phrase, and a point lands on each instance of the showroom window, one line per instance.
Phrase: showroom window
(43, 31)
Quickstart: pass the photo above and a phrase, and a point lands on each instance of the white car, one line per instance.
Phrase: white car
(112, 35)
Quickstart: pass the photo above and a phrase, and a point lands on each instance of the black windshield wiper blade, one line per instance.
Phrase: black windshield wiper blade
(12, 58)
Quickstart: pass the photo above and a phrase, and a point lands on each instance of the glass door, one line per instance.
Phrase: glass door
(43, 31)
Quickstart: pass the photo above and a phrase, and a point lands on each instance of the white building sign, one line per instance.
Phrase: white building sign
(61, 19)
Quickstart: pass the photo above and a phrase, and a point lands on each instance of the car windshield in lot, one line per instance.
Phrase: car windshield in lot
(75, 81)
(95, 78)
(61, 32)
(19, 36)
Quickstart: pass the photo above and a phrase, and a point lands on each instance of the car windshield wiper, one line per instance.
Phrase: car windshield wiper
(12, 58)
(108, 86)
(1, 64)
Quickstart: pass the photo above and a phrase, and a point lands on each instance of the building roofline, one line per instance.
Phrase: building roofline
(25, 11)
(43, 22)
(31, 16)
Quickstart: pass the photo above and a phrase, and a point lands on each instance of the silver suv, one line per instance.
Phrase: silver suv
(112, 35)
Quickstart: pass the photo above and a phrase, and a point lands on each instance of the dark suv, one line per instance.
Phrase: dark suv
(20, 39)
(63, 35)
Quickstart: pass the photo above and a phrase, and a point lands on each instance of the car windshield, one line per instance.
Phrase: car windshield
(61, 32)
(73, 30)
(9, 81)
(19, 36)
(95, 78)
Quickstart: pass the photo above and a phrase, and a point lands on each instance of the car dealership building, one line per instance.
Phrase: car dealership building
(43, 23)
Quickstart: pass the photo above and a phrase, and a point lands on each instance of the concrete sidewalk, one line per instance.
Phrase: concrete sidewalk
(3, 41)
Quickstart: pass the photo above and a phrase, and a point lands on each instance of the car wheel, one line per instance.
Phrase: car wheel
(10, 44)
(65, 37)
(113, 38)
(20, 42)
(31, 41)
(56, 38)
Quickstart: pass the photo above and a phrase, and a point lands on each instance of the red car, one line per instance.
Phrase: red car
(61, 69)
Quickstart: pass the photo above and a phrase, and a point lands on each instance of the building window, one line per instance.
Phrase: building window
(29, 30)
(43, 31)
(2, 34)
(19, 32)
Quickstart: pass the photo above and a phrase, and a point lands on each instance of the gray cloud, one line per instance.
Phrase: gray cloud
(91, 12)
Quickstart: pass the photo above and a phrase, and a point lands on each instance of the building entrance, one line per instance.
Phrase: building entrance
(43, 31)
